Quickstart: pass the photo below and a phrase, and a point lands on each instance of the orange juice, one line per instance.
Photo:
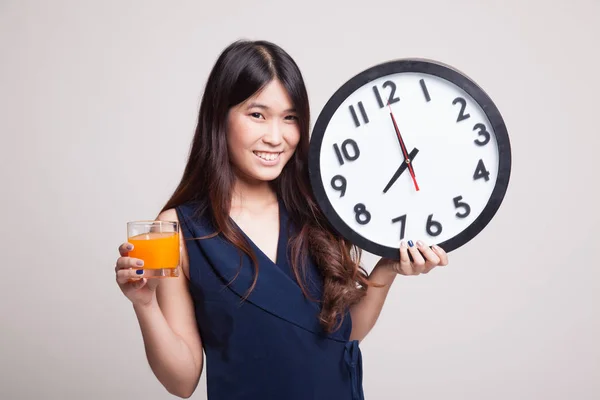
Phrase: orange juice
(159, 250)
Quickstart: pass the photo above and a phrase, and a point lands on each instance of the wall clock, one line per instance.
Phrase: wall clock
(409, 149)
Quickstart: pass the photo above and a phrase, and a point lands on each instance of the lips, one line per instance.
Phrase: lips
(267, 156)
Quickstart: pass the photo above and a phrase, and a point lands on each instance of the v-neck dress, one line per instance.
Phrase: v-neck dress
(269, 345)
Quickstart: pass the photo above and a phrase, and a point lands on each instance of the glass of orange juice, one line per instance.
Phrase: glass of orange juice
(157, 244)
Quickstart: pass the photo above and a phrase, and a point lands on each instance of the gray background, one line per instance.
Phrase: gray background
(98, 103)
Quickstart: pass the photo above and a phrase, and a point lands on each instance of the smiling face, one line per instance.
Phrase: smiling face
(262, 134)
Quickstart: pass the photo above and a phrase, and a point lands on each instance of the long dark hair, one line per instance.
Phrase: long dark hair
(242, 69)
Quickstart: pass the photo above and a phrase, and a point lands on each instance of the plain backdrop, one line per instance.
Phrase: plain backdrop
(98, 104)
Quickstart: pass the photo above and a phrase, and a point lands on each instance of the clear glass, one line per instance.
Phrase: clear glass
(157, 243)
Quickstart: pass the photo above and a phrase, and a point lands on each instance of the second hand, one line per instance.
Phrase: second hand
(403, 147)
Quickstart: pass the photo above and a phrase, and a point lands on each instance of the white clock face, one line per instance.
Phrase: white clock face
(455, 165)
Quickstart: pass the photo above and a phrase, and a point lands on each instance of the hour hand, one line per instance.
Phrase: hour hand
(401, 169)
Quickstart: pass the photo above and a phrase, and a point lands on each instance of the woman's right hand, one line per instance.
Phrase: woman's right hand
(134, 286)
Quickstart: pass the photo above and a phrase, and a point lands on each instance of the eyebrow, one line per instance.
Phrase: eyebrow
(264, 107)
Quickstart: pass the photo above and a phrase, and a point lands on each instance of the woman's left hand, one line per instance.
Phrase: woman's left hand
(424, 258)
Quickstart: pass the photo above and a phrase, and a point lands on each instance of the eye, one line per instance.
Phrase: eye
(257, 115)
(291, 118)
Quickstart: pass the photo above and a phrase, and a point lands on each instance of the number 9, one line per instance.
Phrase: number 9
(338, 182)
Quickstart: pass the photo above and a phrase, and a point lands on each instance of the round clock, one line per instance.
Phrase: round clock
(406, 150)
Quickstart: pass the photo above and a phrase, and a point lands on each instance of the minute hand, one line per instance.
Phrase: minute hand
(400, 170)
(404, 152)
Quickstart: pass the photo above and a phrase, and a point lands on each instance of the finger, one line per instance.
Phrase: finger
(405, 265)
(429, 255)
(128, 262)
(431, 259)
(127, 275)
(441, 253)
(138, 284)
(125, 248)
(418, 260)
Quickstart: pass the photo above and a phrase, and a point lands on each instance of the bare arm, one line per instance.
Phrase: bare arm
(366, 312)
(168, 325)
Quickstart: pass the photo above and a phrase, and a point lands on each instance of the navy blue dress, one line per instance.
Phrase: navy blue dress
(270, 346)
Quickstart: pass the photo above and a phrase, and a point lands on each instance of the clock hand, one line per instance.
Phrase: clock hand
(400, 170)
(403, 146)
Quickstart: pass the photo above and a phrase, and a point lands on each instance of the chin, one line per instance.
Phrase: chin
(257, 176)
(267, 176)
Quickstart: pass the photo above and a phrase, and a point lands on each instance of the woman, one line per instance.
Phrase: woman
(274, 297)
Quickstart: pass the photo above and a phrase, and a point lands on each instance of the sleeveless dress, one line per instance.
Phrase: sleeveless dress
(271, 345)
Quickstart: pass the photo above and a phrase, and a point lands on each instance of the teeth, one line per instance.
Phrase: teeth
(267, 156)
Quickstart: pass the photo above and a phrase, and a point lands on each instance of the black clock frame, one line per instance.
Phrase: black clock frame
(425, 66)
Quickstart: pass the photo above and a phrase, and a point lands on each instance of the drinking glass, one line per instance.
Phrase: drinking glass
(157, 243)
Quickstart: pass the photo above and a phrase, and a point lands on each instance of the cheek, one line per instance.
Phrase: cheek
(247, 133)
(237, 137)
(293, 137)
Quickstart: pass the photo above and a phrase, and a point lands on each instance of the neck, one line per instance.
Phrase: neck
(252, 196)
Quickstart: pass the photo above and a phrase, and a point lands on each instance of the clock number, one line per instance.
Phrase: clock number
(433, 227)
(338, 182)
(482, 132)
(363, 113)
(481, 172)
(458, 203)
(378, 96)
(391, 98)
(402, 220)
(344, 152)
(425, 91)
(362, 215)
(463, 104)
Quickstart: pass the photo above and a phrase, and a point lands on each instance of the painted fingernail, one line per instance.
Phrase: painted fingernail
(410, 243)
(420, 243)
(139, 271)
(140, 262)
(129, 247)
(403, 244)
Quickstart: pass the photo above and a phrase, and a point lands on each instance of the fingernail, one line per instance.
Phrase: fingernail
(403, 244)
(410, 243)
(139, 271)
(129, 247)
(420, 243)
(140, 262)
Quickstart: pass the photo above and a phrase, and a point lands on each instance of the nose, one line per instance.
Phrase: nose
(274, 134)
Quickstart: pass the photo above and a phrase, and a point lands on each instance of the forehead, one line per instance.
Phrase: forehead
(273, 96)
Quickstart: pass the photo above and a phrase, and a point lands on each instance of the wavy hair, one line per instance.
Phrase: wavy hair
(240, 71)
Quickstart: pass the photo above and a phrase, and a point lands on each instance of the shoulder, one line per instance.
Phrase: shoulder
(171, 215)
(180, 214)
(168, 215)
